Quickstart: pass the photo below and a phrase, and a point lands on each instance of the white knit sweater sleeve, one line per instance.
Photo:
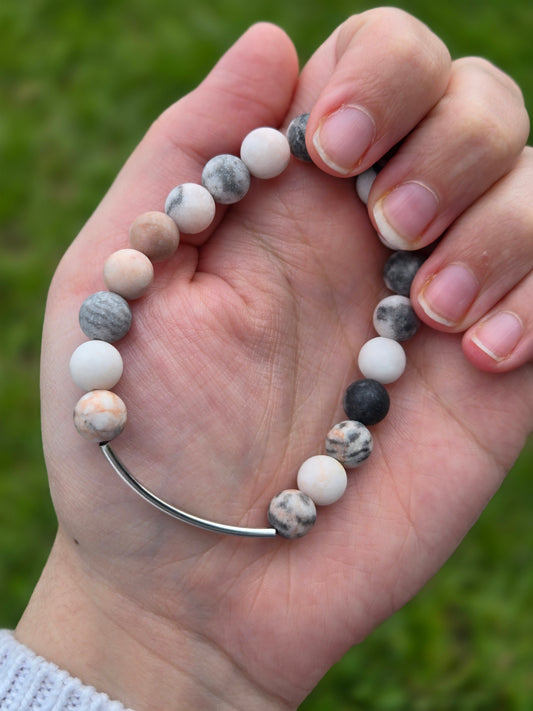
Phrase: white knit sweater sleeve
(28, 682)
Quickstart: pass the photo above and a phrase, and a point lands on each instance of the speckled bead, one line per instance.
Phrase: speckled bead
(323, 479)
(382, 359)
(154, 234)
(366, 401)
(296, 137)
(400, 270)
(227, 178)
(191, 206)
(105, 316)
(265, 152)
(96, 365)
(292, 513)
(350, 443)
(100, 416)
(364, 183)
(394, 317)
(128, 273)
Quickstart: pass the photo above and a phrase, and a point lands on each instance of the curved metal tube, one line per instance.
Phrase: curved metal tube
(167, 508)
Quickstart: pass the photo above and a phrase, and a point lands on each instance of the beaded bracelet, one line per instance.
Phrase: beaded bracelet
(105, 317)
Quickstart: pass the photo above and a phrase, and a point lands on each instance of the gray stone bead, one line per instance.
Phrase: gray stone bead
(350, 443)
(394, 317)
(400, 270)
(227, 178)
(296, 137)
(292, 513)
(105, 316)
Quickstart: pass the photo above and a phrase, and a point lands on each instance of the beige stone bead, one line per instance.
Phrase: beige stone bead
(128, 273)
(100, 416)
(155, 234)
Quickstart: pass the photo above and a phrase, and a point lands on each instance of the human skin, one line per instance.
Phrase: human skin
(235, 368)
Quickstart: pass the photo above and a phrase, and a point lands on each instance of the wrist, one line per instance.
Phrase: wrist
(146, 662)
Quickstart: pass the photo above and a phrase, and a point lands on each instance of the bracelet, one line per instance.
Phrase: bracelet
(105, 317)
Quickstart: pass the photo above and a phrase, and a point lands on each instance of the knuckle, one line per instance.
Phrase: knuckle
(483, 114)
(409, 42)
(484, 70)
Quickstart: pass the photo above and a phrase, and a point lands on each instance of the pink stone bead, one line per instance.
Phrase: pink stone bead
(100, 416)
(292, 513)
(128, 273)
(155, 234)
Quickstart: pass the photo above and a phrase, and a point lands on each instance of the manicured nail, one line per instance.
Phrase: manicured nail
(447, 296)
(343, 138)
(402, 215)
(498, 335)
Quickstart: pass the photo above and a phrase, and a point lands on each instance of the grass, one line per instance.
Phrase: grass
(80, 82)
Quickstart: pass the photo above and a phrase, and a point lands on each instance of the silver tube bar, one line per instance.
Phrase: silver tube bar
(167, 508)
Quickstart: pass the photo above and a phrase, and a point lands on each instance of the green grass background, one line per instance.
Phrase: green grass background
(79, 84)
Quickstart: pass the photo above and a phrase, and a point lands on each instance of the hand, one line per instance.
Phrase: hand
(235, 368)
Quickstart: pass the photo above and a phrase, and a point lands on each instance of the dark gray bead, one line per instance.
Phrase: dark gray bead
(350, 443)
(296, 137)
(394, 317)
(227, 178)
(366, 401)
(105, 316)
(400, 269)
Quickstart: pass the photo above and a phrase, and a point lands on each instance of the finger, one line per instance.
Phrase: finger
(467, 142)
(252, 85)
(369, 84)
(503, 340)
(469, 273)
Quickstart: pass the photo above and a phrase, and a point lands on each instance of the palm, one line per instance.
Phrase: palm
(234, 372)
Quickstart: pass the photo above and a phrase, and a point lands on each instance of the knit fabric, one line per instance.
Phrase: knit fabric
(28, 682)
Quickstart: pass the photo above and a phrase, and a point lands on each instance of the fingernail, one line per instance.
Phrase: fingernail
(447, 296)
(343, 138)
(402, 215)
(498, 335)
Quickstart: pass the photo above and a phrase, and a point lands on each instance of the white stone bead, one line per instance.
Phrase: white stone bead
(96, 365)
(364, 183)
(323, 479)
(128, 272)
(191, 206)
(382, 359)
(265, 152)
(100, 416)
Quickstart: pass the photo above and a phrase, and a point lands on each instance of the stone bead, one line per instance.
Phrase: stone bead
(394, 317)
(296, 137)
(155, 234)
(364, 183)
(366, 401)
(400, 270)
(323, 479)
(100, 416)
(128, 273)
(105, 316)
(96, 365)
(350, 443)
(382, 359)
(227, 178)
(191, 206)
(292, 513)
(265, 152)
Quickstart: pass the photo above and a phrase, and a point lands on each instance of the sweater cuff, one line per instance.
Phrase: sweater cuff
(29, 682)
